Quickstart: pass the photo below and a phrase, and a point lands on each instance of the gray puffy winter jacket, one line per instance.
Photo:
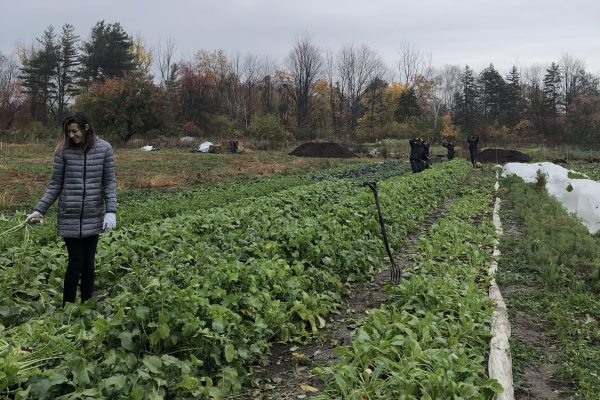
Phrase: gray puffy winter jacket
(86, 188)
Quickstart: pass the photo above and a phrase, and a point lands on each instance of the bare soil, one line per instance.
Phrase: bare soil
(500, 156)
(322, 149)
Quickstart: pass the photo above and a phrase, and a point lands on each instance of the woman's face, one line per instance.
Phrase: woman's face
(75, 133)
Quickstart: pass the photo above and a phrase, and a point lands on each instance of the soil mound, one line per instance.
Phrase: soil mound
(322, 149)
(500, 156)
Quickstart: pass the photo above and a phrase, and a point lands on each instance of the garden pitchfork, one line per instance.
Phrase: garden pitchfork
(396, 271)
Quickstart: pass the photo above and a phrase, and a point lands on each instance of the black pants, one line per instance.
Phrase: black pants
(82, 252)
(473, 156)
(416, 165)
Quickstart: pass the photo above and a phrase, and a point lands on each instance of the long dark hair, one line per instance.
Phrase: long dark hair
(89, 138)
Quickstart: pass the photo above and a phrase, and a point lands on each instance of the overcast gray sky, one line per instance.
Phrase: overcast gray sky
(460, 32)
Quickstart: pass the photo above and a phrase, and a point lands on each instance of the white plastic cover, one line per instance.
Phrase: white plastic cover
(204, 147)
(579, 196)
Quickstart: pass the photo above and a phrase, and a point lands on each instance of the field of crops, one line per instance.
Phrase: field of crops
(195, 288)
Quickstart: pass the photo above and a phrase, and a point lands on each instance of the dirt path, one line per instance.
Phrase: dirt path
(537, 381)
(290, 364)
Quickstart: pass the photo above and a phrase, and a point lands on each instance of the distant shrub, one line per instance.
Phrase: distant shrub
(153, 134)
(36, 132)
(221, 125)
(304, 134)
(190, 128)
(525, 128)
(392, 130)
(267, 127)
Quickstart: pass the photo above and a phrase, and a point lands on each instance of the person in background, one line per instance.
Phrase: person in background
(416, 150)
(84, 182)
(450, 147)
(425, 155)
(473, 141)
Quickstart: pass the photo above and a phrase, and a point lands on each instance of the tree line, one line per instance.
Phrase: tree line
(131, 90)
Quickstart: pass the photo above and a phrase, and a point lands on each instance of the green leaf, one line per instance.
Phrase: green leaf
(153, 363)
(229, 352)
(137, 393)
(142, 312)
(118, 381)
(154, 337)
(187, 382)
(81, 378)
(126, 341)
(163, 331)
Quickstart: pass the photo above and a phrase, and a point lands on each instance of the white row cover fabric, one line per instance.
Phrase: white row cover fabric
(579, 196)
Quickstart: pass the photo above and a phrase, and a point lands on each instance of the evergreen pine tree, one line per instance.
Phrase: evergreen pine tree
(66, 69)
(38, 75)
(551, 91)
(587, 84)
(513, 100)
(465, 102)
(492, 89)
(108, 53)
(408, 106)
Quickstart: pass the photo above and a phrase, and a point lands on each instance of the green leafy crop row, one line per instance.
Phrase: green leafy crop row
(190, 303)
(431, 339)
(138, 206)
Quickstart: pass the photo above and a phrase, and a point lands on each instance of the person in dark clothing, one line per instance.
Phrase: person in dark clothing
(83, 180)
(416, 149)
(450, 147)
(425, 156)
(472, 140)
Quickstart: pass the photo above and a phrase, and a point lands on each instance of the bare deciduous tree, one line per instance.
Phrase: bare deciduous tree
(437, 97)
(571, 68)
(412, 64)
(305, 64)
(250, 75)
(11, 99)
(357, 68)
(330, 75)
(268, 66)
(532, 78)
(164, 58)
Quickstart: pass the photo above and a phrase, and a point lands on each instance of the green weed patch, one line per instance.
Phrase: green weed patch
(557, 261)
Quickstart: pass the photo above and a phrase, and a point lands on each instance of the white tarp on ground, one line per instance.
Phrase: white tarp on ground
(579, 196)
(204, 147)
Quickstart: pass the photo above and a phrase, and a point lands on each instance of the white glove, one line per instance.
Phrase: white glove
(34, 217)
(110, 221)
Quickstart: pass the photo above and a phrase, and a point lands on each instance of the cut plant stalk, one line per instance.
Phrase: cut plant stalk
(396, 271)
(25, 225)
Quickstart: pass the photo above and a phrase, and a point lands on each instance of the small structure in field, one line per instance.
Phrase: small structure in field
(322, 149)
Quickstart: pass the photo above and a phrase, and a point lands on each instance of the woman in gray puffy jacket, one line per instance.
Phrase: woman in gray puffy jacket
(83, 180)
